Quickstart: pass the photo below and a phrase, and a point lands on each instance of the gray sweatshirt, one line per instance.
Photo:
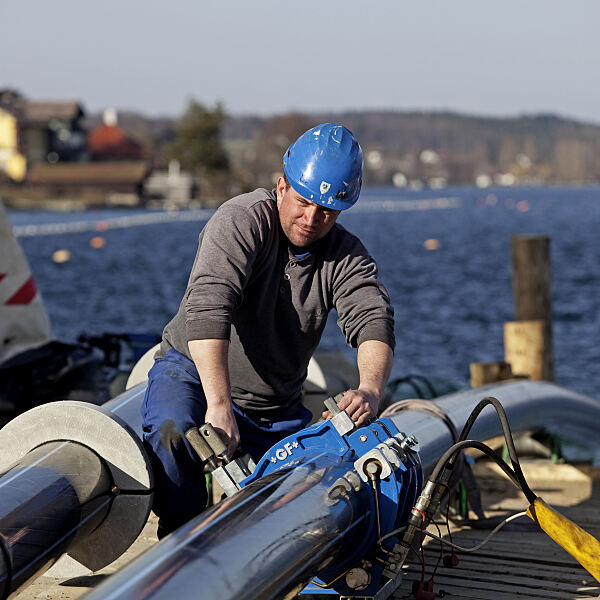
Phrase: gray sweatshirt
(247, 286)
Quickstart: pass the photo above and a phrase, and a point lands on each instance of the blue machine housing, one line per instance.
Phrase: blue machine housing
(396, 493)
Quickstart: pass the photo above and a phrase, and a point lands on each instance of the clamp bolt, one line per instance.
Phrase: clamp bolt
(372, 468)
(363, 438)
(358, 578)
(410, 443)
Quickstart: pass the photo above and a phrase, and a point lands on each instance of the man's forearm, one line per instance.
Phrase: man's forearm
(374, 361)
(210, 358)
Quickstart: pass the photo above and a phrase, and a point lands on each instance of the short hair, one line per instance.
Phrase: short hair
(287, 183)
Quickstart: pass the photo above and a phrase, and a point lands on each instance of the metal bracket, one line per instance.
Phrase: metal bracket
(394, 562)
(210, 448)
(377, 454)
(340, 419)
(343, 423)
(389, 453)
(408, 443)
(229, 475)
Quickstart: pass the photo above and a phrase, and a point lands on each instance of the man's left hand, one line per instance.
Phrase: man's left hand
(361, 405)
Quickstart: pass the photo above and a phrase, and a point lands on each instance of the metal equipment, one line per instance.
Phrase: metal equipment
(384, 461)
(74, 478)
(213, 452)
(312, 515)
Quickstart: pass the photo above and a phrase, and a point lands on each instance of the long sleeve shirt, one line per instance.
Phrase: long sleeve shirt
(246, 285)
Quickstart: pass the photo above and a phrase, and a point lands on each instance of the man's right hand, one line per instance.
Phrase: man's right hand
(210, 358)
(223, 420)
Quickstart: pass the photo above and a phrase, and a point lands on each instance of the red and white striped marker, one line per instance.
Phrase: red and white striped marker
(24, 323)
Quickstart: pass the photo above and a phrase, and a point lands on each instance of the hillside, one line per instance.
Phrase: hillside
(454, 147)
(411, 148)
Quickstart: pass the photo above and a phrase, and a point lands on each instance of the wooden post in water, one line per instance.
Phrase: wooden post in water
(489, 372)
(528, 341)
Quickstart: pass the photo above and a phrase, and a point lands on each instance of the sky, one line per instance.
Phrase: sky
(263, 57)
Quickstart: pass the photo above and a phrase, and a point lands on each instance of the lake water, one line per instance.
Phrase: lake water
(450, 302)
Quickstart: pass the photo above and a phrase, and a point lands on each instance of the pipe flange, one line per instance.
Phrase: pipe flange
(116, 443)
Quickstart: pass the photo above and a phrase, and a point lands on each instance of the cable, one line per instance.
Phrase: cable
(410, 380)
(373, 478)
(449, 458)
(484, 542)
(425, 406)
(456, 448)
(451, 452)
(448, 514)
(499, 526)
(439, 560)
(510, 444)
(427, 383)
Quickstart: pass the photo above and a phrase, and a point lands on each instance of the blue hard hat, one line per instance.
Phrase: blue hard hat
(324, 165)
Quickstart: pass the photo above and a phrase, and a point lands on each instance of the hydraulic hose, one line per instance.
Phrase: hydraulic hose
(510, 444)
(455, 449)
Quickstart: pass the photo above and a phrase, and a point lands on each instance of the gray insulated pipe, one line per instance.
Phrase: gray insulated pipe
(270, 538)
(74, 478)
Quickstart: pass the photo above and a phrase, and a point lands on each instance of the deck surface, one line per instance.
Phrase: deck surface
(513, 565)
(518, 564)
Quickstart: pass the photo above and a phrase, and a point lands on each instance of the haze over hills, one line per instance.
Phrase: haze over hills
(410, 148)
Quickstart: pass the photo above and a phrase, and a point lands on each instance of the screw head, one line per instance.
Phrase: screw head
(358, 578)
(363, 438)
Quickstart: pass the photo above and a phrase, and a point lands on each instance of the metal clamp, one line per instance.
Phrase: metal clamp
(408, 443)
(340, 419)
(211, 450)
(390, 453)
(229, 475)
(383, 454)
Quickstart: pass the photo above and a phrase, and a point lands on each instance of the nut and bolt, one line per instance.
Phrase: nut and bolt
(410, 443)
(373, 468)
(357, 578)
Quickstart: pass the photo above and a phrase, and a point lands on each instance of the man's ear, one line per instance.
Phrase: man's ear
(280, 189)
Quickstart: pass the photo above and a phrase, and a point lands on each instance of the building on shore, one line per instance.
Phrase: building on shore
(47, 158)
(89, 184)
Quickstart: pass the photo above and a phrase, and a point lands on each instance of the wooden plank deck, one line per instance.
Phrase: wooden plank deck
(518, 564)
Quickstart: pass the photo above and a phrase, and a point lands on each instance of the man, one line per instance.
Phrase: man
(270, 266)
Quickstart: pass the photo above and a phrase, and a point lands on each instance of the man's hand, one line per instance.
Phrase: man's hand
(374, 360)
(361, 405)
(210, 358)
(221, 417)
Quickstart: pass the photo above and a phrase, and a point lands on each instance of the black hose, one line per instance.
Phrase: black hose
(510, 444)
(455, 449)
(427, 383)
(410, 380)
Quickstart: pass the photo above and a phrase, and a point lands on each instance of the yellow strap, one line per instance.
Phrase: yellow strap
(578, 543)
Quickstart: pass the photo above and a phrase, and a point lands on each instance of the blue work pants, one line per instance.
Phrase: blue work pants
(175, 402)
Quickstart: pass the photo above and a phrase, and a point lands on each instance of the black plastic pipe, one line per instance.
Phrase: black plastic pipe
(264, 542)
(267, 540)
(54, 496)
(58, 493)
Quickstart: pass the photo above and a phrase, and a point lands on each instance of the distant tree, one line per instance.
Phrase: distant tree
(270, 143)
(197, 145)
(10, 96)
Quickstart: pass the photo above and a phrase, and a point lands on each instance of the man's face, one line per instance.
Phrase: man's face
(302, 221)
